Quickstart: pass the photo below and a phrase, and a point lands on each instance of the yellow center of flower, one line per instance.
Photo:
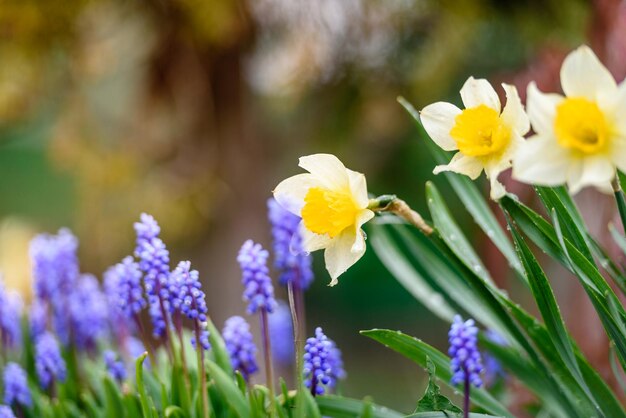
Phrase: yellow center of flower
(479, 132)
(328, 212)
(580, 125)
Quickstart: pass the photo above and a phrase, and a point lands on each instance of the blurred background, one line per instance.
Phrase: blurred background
(193, 110)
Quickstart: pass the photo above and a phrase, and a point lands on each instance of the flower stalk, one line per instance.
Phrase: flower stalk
(200, 356)
(267, 354)
(299, 346)
(619, 198)
(392, 204)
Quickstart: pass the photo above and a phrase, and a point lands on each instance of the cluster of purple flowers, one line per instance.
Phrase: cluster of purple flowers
(6, 412)
(154, 259)
(258, 289)
(465, 360)
(16, 391)
(55, 264)
(240, 345)
(49, 364)
(124, 288)
(88, 312)
(323, 365)
(290, 259)
(10, 312)
(114, 365)
(187, 295)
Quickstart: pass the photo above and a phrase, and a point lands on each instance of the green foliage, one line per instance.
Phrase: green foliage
(433, 400)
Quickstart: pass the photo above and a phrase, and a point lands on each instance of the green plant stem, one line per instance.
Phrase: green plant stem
(201, 371)
(298, 343)
(179, 332)
(168, 334)
(621, 201)
(269, 367)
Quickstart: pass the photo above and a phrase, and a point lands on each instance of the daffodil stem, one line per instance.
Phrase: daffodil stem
(621, 201)
(392, 204)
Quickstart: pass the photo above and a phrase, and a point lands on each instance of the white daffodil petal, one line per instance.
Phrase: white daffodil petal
(290, 192)
(540, 160)
(358, 188)
(541, 108)
(312, 241)
(327, 169)
(497, 191)
(438, 119)
(462, 164)
(591, 171)
(582, 74)
(617, 108)
(476, 92)
(619, 154)
(513, 114)
(339, 256)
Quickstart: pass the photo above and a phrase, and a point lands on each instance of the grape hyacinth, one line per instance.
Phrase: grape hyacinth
(123, 283)
(6, 412)
(55, 263)
(88, 312)
(115, 366)
(16, 390)
(154, 259)
(317, 368)
(240, 345)
(290, 259)
(38, 318)
(335, 360)
(188, 296)
(258, 289)
(466, 363)
(493, 368)
(49, 364)
(281, 334)
(204, 340)
(10, 315)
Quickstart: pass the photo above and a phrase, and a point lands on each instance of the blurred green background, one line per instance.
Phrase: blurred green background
(192, 110)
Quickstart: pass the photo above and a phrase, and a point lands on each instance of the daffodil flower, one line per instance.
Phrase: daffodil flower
(333, 204)
(485, 136)
(580, 137)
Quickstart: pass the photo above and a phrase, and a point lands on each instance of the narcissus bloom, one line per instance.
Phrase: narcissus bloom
(580, 138)
(333, 204)
(484, 136)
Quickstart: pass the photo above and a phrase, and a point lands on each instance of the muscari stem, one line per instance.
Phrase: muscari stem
(201, 371)
(619, 198)
(269, 368)
(298, 342)
(392, 204)
(466, 399)
(144, 339)
(179, 332)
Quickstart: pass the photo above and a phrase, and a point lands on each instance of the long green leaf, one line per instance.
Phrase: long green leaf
(452, 234)
(227, 386)
(340, 407)
(143, 397)
(419, 352)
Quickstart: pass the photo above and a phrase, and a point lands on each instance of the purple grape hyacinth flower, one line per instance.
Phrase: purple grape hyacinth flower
(49, 364)
(55, 263)
(16, 390)
(6, 412)
(38, 318)
(465, 361)
(258, 289)
(335, 360)
(123, 283)
(10, 315)
(88, 312)
(290, 259)
(281, 334)
(154, 259)
(188, 296)
(240, 345)
(115, 366)
(317, 368)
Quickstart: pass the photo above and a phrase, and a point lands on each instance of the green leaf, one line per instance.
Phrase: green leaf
(547, 304)
(619, 239)
(446, 415)
(218, 348)
(173, 411)
(413, 281)
(433, 400)
(113, 401)
(225, 383)
(452, 234)
(143, 397)
(340, 407)
(469, 194)
(418, 351)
